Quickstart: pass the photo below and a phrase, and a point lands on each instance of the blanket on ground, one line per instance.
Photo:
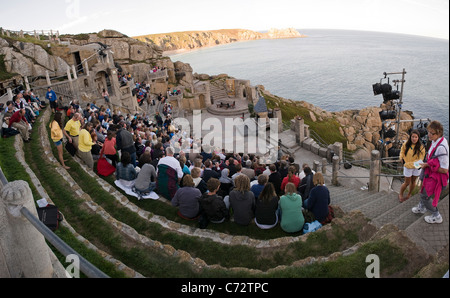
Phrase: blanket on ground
(130, 192)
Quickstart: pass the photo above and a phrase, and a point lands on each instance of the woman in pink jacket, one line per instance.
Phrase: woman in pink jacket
(435, 173)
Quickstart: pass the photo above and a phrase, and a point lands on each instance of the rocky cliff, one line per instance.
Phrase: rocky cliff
(189, 40)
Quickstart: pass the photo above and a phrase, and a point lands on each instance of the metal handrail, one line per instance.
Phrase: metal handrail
(85, 266)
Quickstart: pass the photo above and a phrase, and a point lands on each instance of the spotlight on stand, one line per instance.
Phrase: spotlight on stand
(391, 95)
(379, 88)
(386, 90)
(385, 115)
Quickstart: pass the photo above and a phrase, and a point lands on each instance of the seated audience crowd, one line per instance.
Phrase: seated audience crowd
(152, 154)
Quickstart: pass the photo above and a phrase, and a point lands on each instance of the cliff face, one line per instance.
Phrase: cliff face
(189, 40)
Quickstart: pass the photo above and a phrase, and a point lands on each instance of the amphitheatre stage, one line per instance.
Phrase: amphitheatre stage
(229, 107)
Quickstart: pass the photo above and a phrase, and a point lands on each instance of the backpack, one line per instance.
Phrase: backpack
(311, 227)
(50, 216)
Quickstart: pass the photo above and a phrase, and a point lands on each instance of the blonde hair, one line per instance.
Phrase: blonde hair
(318, 179)
(290, 188)
(242, 183)
(195, 172)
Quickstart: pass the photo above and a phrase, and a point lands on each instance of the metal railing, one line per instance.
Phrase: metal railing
(85, 266)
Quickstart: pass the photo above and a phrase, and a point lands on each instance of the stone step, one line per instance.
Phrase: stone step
(399, 215)
(339, 197)
(359, 199)
(432, 237)
(379, 205)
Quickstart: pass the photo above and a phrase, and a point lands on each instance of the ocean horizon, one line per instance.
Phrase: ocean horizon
(335, 69)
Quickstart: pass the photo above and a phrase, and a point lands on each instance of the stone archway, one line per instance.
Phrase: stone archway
(103, 80)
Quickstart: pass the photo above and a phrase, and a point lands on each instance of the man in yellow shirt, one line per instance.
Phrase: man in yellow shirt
(73, 127)
(85, 145)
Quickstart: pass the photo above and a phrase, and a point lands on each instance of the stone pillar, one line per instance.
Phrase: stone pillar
(335, 149)
(10, 94)
(27, 83)
(69, 75)
(75, 76)
(334, 174)
(306, 131)
(47, 76)
(277, 114)
(316, 166)
(375, 170)
(23, 250)
(324, 166)
(86, 67)
(299, 130)
(339, 150)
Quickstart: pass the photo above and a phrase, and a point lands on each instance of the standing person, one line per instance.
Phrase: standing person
(73, 128)
(411, 152)
(51, 96)
(125, 142)
(56, 133)
(292, 219)
(109, 147)
(242, 201)
(266, 208)
(105, 95)
(85, 145)
(435, 173)
(319, 198)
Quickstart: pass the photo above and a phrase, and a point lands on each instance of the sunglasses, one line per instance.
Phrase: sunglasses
(432, 133)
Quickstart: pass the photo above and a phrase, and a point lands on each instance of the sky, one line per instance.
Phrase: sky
(140, 17)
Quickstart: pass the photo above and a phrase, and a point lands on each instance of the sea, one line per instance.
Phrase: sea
(336, 69)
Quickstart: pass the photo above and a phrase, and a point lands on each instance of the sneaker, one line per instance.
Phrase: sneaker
(432, 219)
(419, 209)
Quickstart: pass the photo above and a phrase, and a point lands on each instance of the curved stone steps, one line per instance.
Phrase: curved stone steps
(185, 256)
(18, 145)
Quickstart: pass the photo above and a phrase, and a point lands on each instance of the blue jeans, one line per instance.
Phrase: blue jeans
(150, 188)
(133, 159)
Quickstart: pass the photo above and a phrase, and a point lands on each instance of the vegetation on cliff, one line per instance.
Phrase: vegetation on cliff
(188, 40)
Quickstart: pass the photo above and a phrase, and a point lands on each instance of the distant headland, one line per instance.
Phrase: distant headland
(176, 42)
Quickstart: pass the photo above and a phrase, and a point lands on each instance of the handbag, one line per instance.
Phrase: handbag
(104, 168)
(71, 148)
(50, 216)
